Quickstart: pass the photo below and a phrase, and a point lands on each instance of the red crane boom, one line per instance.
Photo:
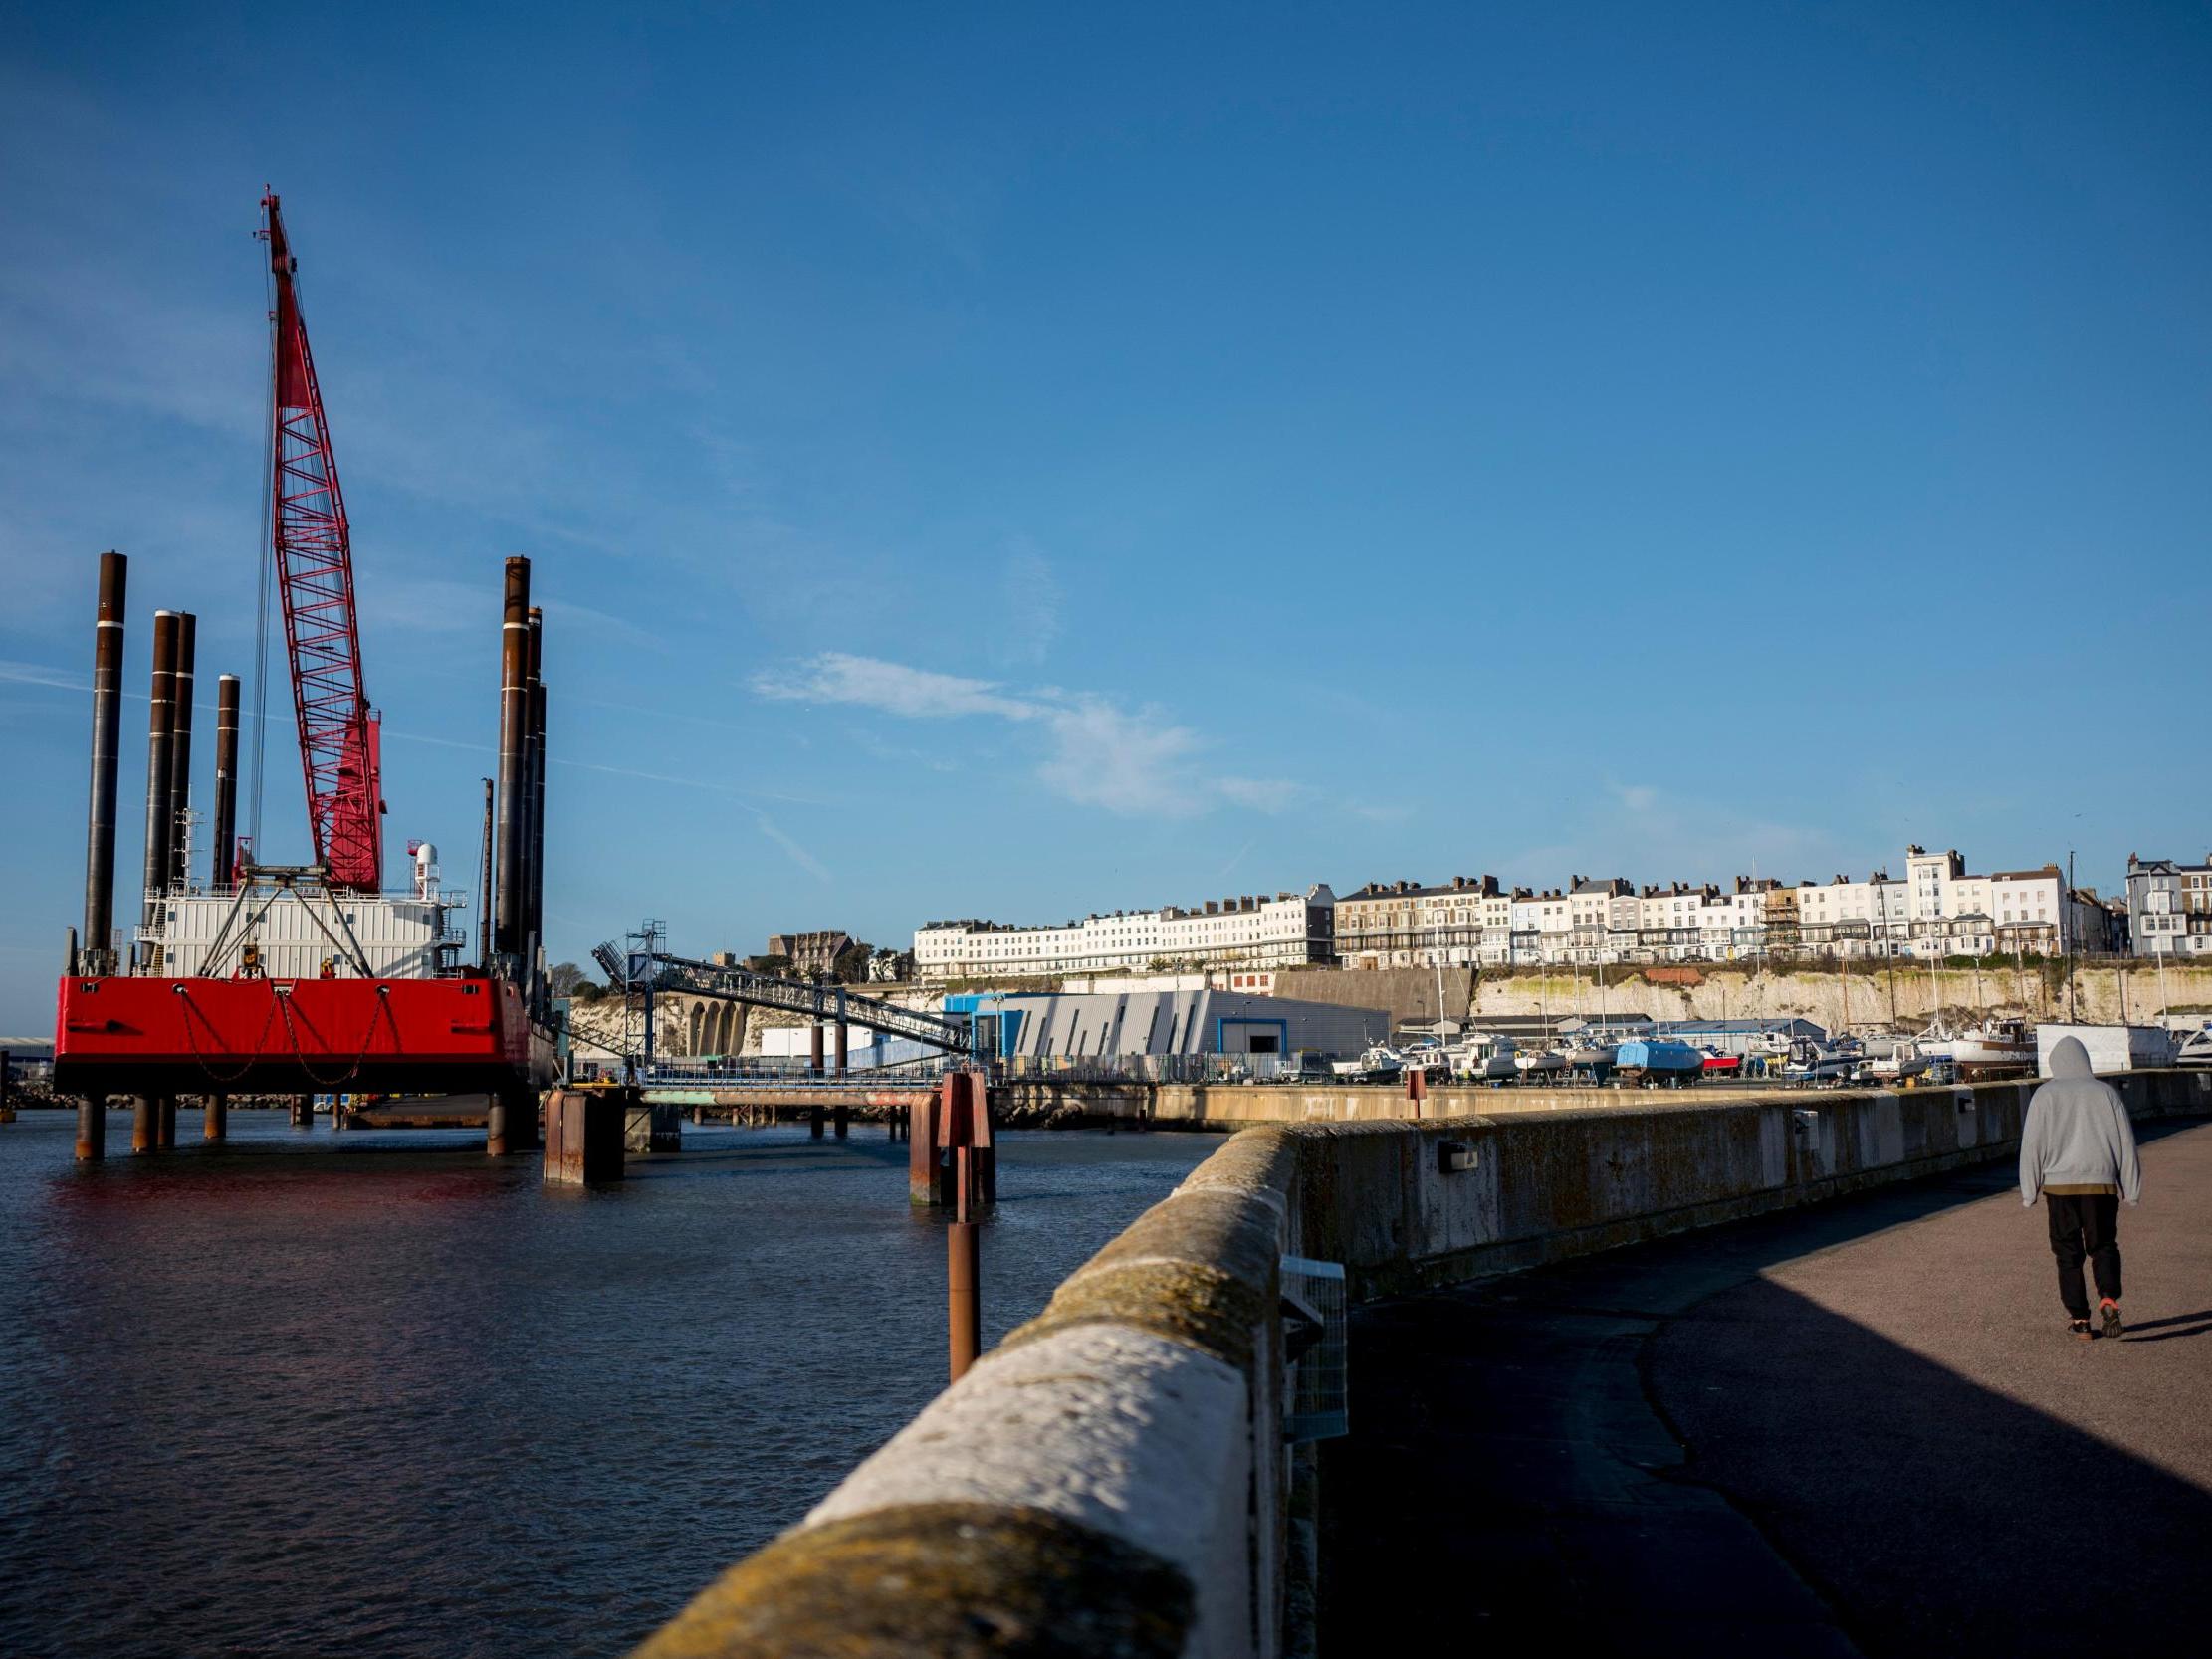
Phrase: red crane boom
(339, 741)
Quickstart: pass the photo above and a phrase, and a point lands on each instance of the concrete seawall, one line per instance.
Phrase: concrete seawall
(1235, 1106)
(1113, 1477)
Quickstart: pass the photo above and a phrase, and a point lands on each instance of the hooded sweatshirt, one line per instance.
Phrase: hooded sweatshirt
(2078, 1138)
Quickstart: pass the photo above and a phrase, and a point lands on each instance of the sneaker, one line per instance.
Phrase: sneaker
(2080, 1328)
(2112, 1326)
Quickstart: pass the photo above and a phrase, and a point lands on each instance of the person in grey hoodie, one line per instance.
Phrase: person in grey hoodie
(2078, 1150)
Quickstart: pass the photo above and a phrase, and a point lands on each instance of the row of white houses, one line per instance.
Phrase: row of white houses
(1290, 930)
(1935, 908)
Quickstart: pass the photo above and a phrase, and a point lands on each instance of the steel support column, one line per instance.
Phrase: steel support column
(161, 712)
(514, 720)
(180, 750)
(99, 829)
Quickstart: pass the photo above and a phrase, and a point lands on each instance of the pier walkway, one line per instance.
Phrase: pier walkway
(1855, 1428)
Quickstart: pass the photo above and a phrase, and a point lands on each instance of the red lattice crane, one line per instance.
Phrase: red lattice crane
(338, 743)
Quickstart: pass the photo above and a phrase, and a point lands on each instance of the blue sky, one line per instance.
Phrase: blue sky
(1017, 460)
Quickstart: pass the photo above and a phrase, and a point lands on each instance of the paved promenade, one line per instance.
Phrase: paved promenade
(1856, 1428)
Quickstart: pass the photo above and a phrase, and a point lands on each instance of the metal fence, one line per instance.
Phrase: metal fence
(754, 1068)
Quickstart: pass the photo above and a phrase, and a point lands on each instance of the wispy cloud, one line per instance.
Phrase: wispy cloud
(605, 625)
(1634, 827)
(1136, 761)
(793, 849)
(895, 689)
(38, 674)
(1264, 794)
(425, 605)
(1029, 602)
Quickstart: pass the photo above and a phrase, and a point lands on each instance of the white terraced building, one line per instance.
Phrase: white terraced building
(1292, 930)
(1936, 910)
(2169, 907)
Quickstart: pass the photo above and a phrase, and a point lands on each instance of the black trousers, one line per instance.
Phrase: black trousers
(2085, 1226)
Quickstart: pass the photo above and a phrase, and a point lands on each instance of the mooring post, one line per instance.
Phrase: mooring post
(964, 1312)
(164, 1124)
(815, 1120)
(216, 1127)
(840, 1121)
(842, 1033)
(586, 1130)
(921, 1150)
(302, 1111)
(814, 1065)
(986, 1152)
(142, 1116)
(962, 1125)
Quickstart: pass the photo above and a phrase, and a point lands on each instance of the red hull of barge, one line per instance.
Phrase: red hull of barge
(135, 1036)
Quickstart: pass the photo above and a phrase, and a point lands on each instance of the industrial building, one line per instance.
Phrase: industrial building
(1108, 1023)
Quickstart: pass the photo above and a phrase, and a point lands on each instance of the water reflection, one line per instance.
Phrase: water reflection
(316, 1392)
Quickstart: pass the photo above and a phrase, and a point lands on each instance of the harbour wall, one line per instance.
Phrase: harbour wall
(1227, 1107)
(1861, 994)
(1113, 1477)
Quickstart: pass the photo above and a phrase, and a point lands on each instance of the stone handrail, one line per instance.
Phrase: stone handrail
(1113, 1477)
(1089, 1487)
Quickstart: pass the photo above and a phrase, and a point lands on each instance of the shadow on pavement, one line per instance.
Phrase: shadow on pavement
(1508, 1481)
(1937, 1516)
(2135, 1329)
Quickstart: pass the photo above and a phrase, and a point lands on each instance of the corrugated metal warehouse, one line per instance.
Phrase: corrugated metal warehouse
(1166, 1022)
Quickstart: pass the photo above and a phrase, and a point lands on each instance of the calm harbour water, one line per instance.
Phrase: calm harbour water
(368, 1394)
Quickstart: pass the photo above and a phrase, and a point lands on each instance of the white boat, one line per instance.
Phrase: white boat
(1380, 1064)
(1432, 1060)
(2194, 1049)
(1591, 1057)
(1893, 1059)
(1993, 1045)
(1540, 1063)
(1812, 1062)
(1485, 1060)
